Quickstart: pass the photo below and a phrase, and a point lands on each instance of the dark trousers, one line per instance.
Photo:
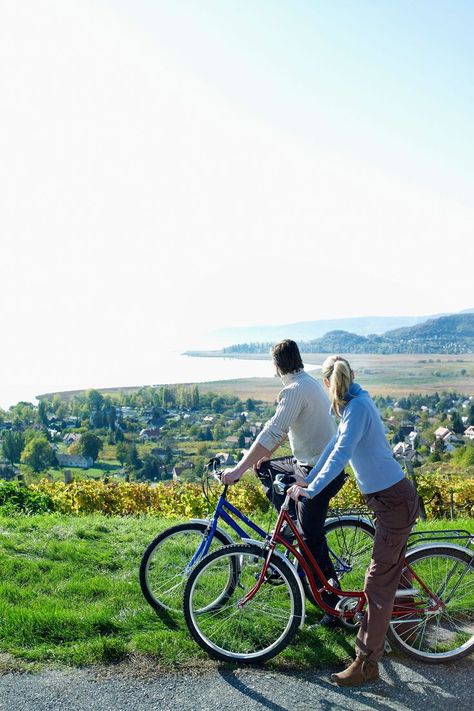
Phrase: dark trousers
(396, 510)
(310, 514)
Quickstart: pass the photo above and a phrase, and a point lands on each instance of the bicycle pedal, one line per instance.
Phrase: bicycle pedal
(387, 647)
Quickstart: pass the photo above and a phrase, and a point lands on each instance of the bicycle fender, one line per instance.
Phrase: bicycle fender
(341, 519)
(261, 545)
(218, 528)
(431, 546)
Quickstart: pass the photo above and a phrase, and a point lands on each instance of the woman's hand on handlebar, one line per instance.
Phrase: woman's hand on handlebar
(230, 476)
(295, 491)
(298, 479)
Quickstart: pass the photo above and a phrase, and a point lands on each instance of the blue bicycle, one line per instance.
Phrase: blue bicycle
(173, 554)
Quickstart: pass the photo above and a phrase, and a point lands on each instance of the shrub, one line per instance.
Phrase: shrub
(18, 498)
(439, 491)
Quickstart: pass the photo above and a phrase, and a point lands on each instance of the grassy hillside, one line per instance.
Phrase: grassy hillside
(69, 595)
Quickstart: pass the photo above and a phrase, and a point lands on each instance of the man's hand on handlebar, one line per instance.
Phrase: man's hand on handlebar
(295, 491)
(230, 476)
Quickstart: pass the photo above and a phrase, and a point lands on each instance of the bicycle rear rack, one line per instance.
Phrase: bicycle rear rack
(362, 511)
(453, 534)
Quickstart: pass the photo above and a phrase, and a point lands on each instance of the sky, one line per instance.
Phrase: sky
(170, 167)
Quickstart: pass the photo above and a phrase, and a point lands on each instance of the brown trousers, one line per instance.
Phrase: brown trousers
(396, 510)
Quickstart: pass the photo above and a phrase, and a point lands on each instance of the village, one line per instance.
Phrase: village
(168, 434)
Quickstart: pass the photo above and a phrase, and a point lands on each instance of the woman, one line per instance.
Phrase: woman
(361, 441)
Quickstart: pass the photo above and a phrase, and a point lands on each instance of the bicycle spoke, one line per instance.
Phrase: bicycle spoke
(165, 566)
(433, 630)
(240, 629)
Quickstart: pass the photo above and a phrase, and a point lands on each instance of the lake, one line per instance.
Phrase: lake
(170, 368)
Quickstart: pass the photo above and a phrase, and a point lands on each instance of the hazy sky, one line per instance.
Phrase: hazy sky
(170, 166)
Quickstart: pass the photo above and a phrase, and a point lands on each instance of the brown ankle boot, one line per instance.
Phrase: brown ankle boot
(359, 672)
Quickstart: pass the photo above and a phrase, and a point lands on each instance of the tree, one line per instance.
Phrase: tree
(133, 460)
(90, 445)
(151, 468)
(457, 425)
(38, 454)
(13, 444)
(249, 405)
(23, 413)
(470, 415)
(96, 403)
(61, 411)
(43, 413)
(468, 459)
(156, 415)
(110, 415)
(121, 452)
(95, 400)
(218, 432)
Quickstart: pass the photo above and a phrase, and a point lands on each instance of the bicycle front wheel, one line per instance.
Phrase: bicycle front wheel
(250, 632)
(166, 563)
(417, 626)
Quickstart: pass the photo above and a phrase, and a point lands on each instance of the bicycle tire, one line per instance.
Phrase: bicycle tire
(445, 635)
(256, 631)
(164, 565)
(350, 543)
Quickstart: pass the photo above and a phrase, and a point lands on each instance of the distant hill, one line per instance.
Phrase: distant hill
(308, 330)
(445, 328)
(446, 334)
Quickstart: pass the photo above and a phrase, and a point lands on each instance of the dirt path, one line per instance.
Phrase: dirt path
(405, 685)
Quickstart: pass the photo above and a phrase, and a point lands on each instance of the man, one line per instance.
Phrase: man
(302, 415)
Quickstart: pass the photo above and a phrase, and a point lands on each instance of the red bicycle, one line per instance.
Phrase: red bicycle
(245, 602)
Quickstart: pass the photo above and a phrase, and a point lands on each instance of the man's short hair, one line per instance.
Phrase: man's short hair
(286, 356)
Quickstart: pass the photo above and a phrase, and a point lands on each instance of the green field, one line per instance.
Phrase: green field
(395, 375)
(69, 595)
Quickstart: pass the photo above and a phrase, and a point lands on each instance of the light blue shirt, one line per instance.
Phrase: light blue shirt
(361, 441)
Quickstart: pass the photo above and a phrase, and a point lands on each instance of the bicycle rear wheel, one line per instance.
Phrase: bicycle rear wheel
(256, 630)
(420, 630)
(165, 565)
(350, 542)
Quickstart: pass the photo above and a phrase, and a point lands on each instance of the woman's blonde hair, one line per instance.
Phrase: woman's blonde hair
(339, 373)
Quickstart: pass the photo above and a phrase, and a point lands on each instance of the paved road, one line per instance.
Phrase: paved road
(405, 685)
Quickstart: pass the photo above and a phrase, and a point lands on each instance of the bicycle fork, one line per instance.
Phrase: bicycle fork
(261, 579)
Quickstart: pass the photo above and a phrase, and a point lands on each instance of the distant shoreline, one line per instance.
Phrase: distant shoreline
(380, 374)
(224, 354)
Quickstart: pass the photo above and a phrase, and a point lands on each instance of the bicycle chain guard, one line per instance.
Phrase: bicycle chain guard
(344, 605)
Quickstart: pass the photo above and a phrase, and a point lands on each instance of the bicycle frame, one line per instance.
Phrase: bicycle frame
(225, 511)
(311, 567)
(222, 511)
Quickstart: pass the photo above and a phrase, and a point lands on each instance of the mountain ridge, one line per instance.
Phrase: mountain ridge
(307, 330)
(453, 333)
